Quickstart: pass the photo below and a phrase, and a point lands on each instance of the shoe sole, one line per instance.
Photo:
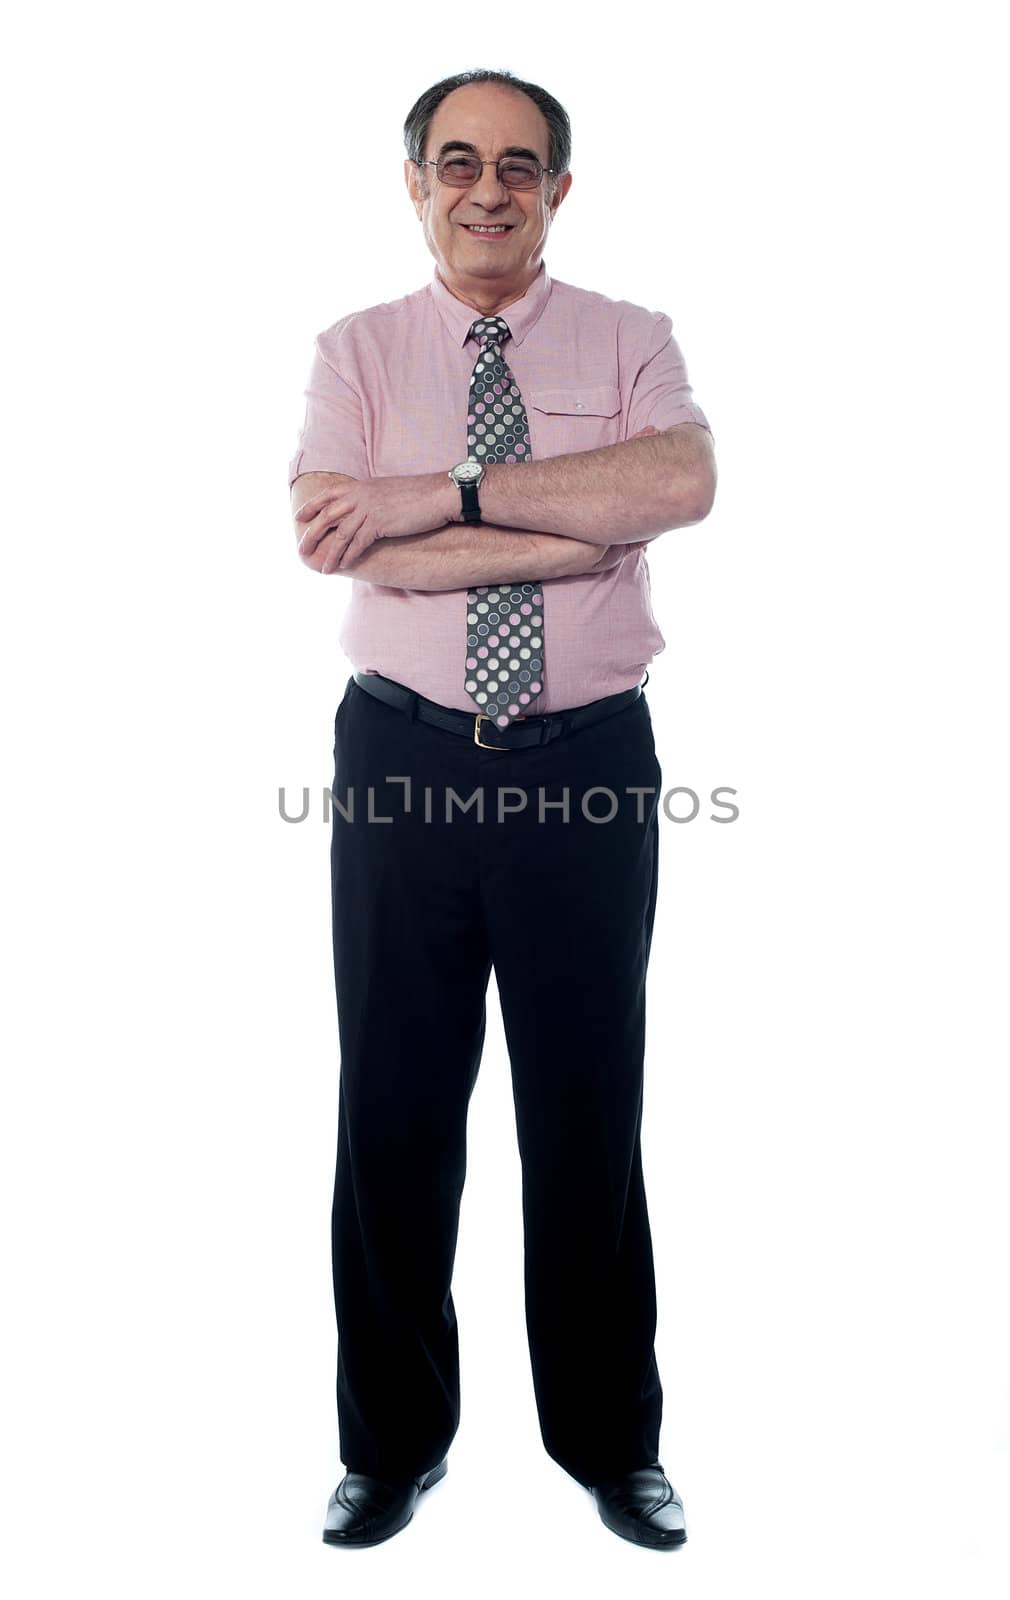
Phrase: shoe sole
(434, 1476)
(674, 1542)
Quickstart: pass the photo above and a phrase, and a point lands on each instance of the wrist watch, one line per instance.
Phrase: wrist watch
(467, 476)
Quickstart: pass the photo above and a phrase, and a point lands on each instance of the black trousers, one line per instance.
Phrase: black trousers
(563, 909)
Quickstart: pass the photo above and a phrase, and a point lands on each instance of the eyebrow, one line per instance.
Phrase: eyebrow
(512, 150)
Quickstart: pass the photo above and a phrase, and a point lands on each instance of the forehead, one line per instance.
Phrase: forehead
(490, 117)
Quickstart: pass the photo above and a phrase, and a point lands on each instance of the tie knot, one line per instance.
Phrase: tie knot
(490, 330)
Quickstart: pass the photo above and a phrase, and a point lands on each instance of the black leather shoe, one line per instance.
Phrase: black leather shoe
(643, 1506)
(365, 1510)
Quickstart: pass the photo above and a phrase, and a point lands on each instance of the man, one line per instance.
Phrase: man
(488, 459)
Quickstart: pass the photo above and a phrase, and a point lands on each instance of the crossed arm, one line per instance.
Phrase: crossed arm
(407, 532)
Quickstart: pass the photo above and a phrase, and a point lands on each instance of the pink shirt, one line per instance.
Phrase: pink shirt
(387, 397)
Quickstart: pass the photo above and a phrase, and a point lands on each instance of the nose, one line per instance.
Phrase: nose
(488, 190)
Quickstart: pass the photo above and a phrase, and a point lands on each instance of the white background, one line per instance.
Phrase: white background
(814, 195)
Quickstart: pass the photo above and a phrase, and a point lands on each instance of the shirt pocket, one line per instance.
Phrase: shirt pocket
(583, 417)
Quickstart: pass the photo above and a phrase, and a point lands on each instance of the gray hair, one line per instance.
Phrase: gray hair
(415, 129)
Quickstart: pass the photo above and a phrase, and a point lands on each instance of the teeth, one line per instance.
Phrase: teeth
(476, 228)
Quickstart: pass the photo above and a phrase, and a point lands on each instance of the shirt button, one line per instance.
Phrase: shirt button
(579, 406)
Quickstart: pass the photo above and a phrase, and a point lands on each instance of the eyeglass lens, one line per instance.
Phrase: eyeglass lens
(514, 171)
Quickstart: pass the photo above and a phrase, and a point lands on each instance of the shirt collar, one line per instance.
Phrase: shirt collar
(522, 315)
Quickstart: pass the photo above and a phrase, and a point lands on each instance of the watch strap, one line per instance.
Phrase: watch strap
(471, 504)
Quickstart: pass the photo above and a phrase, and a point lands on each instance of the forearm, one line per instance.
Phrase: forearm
(626, 492)
(462, 554)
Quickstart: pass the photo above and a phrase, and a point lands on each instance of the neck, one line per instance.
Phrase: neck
(487, 298)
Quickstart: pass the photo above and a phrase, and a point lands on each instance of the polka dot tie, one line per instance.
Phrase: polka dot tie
(505, 622)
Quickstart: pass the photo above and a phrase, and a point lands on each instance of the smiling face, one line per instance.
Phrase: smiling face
(486, 271)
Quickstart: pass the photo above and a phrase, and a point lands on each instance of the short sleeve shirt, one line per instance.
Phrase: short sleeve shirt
(387, 396)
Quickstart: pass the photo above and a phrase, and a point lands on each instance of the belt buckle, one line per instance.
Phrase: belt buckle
(479, 718)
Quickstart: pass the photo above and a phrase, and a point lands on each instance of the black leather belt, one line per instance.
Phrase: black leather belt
(528, 730)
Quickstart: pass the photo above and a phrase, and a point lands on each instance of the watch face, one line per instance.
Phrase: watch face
(468, 470)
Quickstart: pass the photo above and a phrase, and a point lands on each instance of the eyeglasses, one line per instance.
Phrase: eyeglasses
(461, 171)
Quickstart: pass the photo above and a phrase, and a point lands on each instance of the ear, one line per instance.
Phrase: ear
(563, 186)
(413, 180)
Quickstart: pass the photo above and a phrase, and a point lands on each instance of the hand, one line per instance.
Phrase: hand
(342, 523)
(613, 555)
(574, 557)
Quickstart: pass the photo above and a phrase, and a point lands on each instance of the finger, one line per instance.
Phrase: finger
(309, 541)
(315, 560)
(350, 553)
(338, 541)
(356, 540)
(318, 556)
(327, 507)
(328, 520)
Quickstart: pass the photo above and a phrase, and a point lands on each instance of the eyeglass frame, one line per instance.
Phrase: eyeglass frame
(469, 155)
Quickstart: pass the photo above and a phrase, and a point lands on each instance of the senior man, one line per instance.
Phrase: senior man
(487, 459)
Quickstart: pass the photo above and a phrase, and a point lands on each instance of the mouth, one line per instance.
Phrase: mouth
(488, 231)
